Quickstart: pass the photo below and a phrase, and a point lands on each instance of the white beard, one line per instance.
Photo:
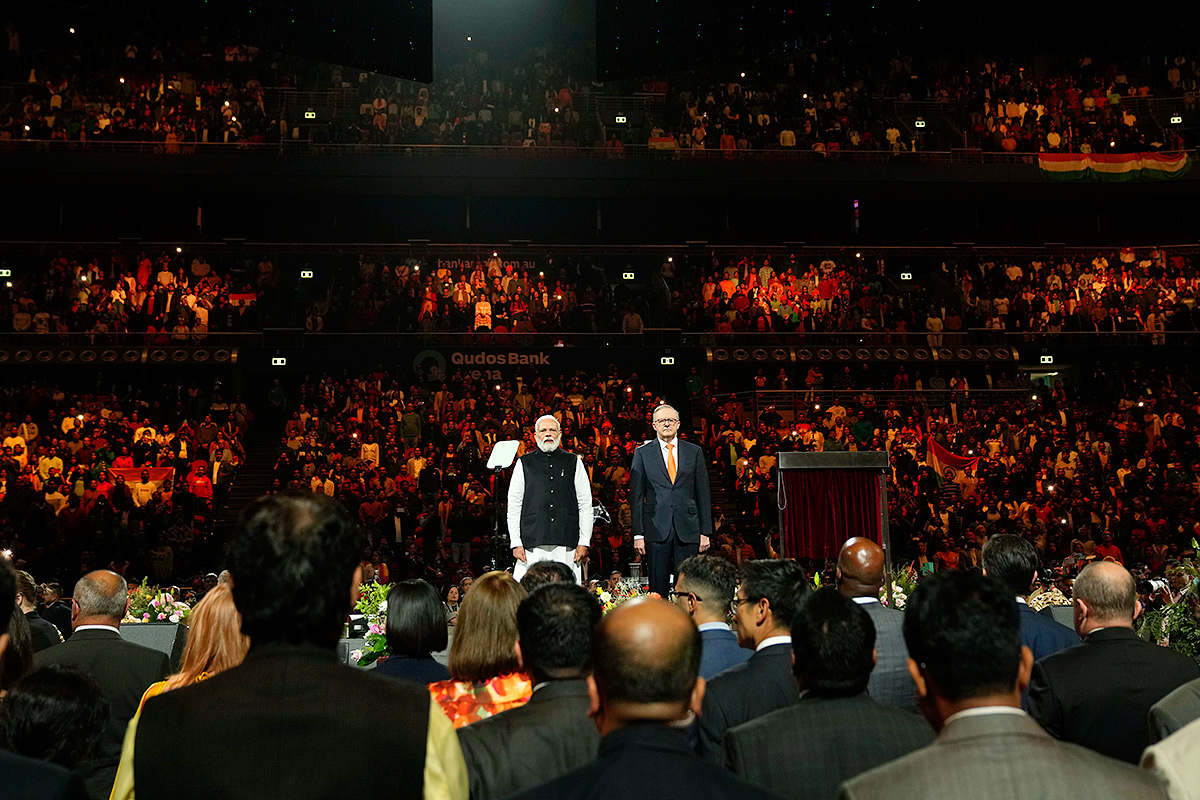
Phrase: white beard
(548, 447)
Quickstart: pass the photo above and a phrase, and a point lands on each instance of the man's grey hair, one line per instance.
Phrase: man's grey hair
(1111, 594)
(550, 417)
(659, 408)
(95, 600)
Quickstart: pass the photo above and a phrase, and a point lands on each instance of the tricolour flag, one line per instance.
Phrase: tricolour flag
(945, 464)
(1113, 167)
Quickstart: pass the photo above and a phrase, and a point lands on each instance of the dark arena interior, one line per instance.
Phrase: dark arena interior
(862, 337)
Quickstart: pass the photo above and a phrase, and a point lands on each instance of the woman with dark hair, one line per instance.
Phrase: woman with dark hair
(57, 714)
(17, 660)
(416, 628)
(453, 599)
(486, 677)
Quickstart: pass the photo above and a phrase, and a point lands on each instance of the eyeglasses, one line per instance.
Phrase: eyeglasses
(673, 594)
(666, 421)
(737, 601)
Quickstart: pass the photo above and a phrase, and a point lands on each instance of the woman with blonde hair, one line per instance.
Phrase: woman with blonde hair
(485, 676)
(215, 643)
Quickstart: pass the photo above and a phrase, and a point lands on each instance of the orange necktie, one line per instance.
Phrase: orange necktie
(671, 461)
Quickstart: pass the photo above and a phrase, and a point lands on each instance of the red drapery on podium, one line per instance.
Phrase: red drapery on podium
(825, 507)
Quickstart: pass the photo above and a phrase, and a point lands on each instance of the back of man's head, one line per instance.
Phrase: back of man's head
(964, 629)
(1109, 592)
(543, 572)
(860, 568)
(781, 583)
(294, 558)
(646, 652)
(1012, 561)
(554, 628)
(102, 597)
(833, 642)
(8, 596)
(711, 579)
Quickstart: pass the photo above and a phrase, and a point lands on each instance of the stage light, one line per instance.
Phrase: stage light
(670, 259)
(178, 249)
(743, 74)
(306, 273)
(278, 362)
(122, 79)
(541, 274)
(1050, 487)
(1064, 520)
(495, 254)
(497, 387)
(1047, 359)
(226, 102)
(71, 30)
(667, 361)
(817, 407)
(1141, 404)
(27, 129)
(627, 276)
(8, 284)
(620, 119)
(1035, 397)
(7, 554)
(468, 38)
(805, 95)
(858, 255)
(919, 123)
(355, 434)
(906, 276)
(970, 452)
(1176, 119)
(5, 273)
(310, 114)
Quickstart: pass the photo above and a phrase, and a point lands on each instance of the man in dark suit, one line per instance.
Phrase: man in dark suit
(860, 577)
(44, 633)
(57, 610)
(766, 602)
(703, 589)
(1178, 709)
(21, 776)
(551, 734)
(837, 730)
(644, 688)
(123, 670)
(288, 721)
(1014, 561)
(669, 500)
(968, 663)
(1099, 694)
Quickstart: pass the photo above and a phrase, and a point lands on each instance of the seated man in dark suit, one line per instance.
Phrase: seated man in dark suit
(967, 660)
(20, 776)
(1178, 709)
(123, 670)
(551, 734)
(860, 577)
(837, 730)
(644, 689)
(1014, 561)
(765, 604)
(1099, 694)
(703, 589)
(288, 721)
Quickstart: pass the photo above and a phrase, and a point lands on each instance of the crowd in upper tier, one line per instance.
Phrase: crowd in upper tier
(181, 93)
(177, 296)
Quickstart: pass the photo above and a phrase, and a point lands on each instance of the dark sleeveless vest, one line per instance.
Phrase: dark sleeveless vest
(549, 510)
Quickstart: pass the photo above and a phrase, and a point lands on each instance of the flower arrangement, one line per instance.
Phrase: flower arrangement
(904, 581)
(1177, 624)
(372, 604)
(624, 591)
(153, 604)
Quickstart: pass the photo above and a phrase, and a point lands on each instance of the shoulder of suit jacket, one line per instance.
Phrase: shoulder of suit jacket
(647, 442)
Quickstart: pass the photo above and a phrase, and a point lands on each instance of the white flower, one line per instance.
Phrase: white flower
(174, 618)
(383, 608)
(605, 597)
(356, 656)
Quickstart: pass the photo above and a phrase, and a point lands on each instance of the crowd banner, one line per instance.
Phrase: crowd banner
(1113, 167)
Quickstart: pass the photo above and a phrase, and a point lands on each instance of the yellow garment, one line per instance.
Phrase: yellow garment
(445, 775)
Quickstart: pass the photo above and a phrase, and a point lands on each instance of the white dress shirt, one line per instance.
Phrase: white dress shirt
(583, 495)
(773, 640)
(662, 448)
(97, 628)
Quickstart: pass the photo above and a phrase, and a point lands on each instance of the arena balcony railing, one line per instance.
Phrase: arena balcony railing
(640, 152)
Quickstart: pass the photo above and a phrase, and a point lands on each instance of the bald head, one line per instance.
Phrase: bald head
(860, 567)
(101, 597)
(1106, 595)
(646, 653)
